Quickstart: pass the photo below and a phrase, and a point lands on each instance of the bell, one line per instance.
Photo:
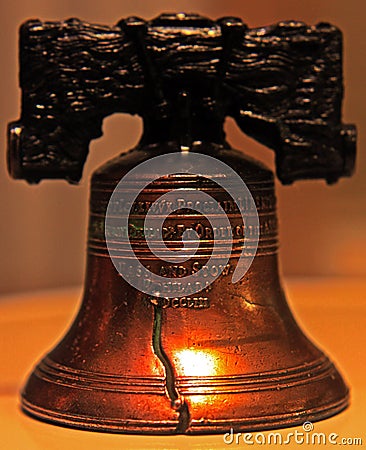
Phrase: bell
(149, 351)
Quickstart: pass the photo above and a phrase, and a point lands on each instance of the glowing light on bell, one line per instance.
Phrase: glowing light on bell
(196, 363)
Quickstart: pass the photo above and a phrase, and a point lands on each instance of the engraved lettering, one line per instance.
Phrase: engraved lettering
(172, 232)
(262, 201)
(182, 302)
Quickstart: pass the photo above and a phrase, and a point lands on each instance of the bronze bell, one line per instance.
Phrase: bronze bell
(175, 360)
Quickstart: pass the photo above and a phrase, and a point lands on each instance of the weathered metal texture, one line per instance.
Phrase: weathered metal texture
(231, 355)
(282, 84)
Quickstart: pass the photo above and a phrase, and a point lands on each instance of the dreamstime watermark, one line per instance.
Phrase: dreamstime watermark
(122, 206)
(306, 436)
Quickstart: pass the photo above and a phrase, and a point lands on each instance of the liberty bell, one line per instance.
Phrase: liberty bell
(184, 326)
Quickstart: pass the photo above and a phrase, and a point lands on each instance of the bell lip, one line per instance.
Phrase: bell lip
(196, 427)
(329, 383)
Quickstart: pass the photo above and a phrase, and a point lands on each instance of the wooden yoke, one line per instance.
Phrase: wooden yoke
(282, 84)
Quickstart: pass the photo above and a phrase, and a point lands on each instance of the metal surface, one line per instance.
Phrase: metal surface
(231, 355)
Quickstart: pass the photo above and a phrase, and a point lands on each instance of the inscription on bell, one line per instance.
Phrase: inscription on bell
(175, 231)
(180, 271)
(181, 302)
(164, 207)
